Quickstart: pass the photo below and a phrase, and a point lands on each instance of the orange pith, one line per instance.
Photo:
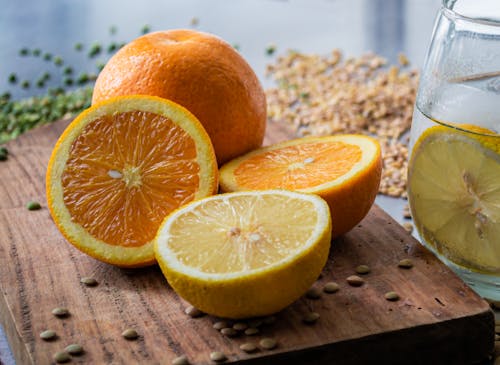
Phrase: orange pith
(292, 166)
(150, 175)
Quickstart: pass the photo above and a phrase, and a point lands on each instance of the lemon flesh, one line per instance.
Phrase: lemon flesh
(245, 254)
(454, 192)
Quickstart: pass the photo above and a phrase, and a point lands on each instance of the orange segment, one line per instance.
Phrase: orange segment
(345, 170)
(120, 168)
(298, 167)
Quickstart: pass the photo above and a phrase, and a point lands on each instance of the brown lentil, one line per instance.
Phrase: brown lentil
(62, 357)
(405, 264)
(250, 331)
(180, 360)
(88, 281)
(355, 280)
(218, 356)
(268, 343)
(331, 287)
(220, 325)
(248, 347)
(313, 293)
(362, 269)
(310, 318)
(408, 227)
(48, 335)
(60, 312)
(130, 334)
(74, 349)
(353, 95)
(193, 312)
(391, 296)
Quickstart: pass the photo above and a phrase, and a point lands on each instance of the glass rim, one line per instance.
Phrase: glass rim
(447, 6)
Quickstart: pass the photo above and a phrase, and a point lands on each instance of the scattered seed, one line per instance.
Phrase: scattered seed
(220, 325)
(180, 360)
(82, 79)
(229, 332)
(48, 335)
(37, 52)
(240, 326)
(89, 281)
(58, 61)
(362, 269)
(270, 49)
(78, 46)
(60, 312)
(403, 60)
(12, 78)
(331, 287)
(94, 50)
(405, 264)
(250, 331)
(145, 29)
(25, 84)
(391, 296)
(310, 318)
(74, 349)
(113, 29)
(268, 320)
(355, 280)
(130, 334)
(408, 227)
(112, 47)
(268, 343)
(62, 357)
(194, 21)
(218, 356)
(4, 150)
(313, 293)
(47, 56)
(193, 312)
(32, 205)
(248, 347)
(24, 52)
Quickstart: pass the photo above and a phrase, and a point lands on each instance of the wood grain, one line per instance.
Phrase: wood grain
(437, 320)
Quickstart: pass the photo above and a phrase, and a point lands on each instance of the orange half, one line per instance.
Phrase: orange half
(119, 168)
(344, 170)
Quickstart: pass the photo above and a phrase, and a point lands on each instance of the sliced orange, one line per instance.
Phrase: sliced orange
(344, 170)
(119, 168)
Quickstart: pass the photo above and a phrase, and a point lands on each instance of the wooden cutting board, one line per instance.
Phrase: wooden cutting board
(437, 320)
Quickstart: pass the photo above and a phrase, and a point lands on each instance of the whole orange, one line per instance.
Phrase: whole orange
(199, 71)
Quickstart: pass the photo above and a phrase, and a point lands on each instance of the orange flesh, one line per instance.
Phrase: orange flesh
(120, 189)
(298, 167)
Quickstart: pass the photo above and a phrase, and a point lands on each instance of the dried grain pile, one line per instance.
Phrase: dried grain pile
(322, 95)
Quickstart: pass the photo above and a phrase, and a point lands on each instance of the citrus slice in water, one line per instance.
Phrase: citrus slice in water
(119, 168)
(454, 192)
(245, 254)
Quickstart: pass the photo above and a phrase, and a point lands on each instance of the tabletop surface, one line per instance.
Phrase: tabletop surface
(385, 27)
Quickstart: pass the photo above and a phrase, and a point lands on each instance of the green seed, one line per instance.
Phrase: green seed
(130, 334)
(250, 331)
(100, 66)
(248, 347)
(60, 312)
(37, 52)
(355, 280)
(218, 356)
(181, 360)
(113, 29)
(229, 332)
(268, 343)
(88, 281)
(331, 287)
(270, 49)
(74, 349)
(3, 157)
(12, 78)
(362, 269)
(220, 325)
(62, 357)
(94, 50)
(240, 326)
(391, 296)
(32, 205)
(68, 70)
(48, 335)
(304, 95)
(4, 150)
(78, 46)
(25, 84)
(193, 312)
(5, 97)
(24, 52)
(145, 29)
(310, 318)
(405, 264)
(46, 76)
(68, 81)
(47, 56)
(82, 79)
(236, 46)
(58, 61)
(313, 293)
(40, 83)
(112, 47)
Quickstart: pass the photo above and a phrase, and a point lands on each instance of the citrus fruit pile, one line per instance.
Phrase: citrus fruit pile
(135, 167)
(454, 194)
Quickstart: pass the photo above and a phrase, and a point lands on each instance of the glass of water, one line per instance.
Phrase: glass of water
(454, 167)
